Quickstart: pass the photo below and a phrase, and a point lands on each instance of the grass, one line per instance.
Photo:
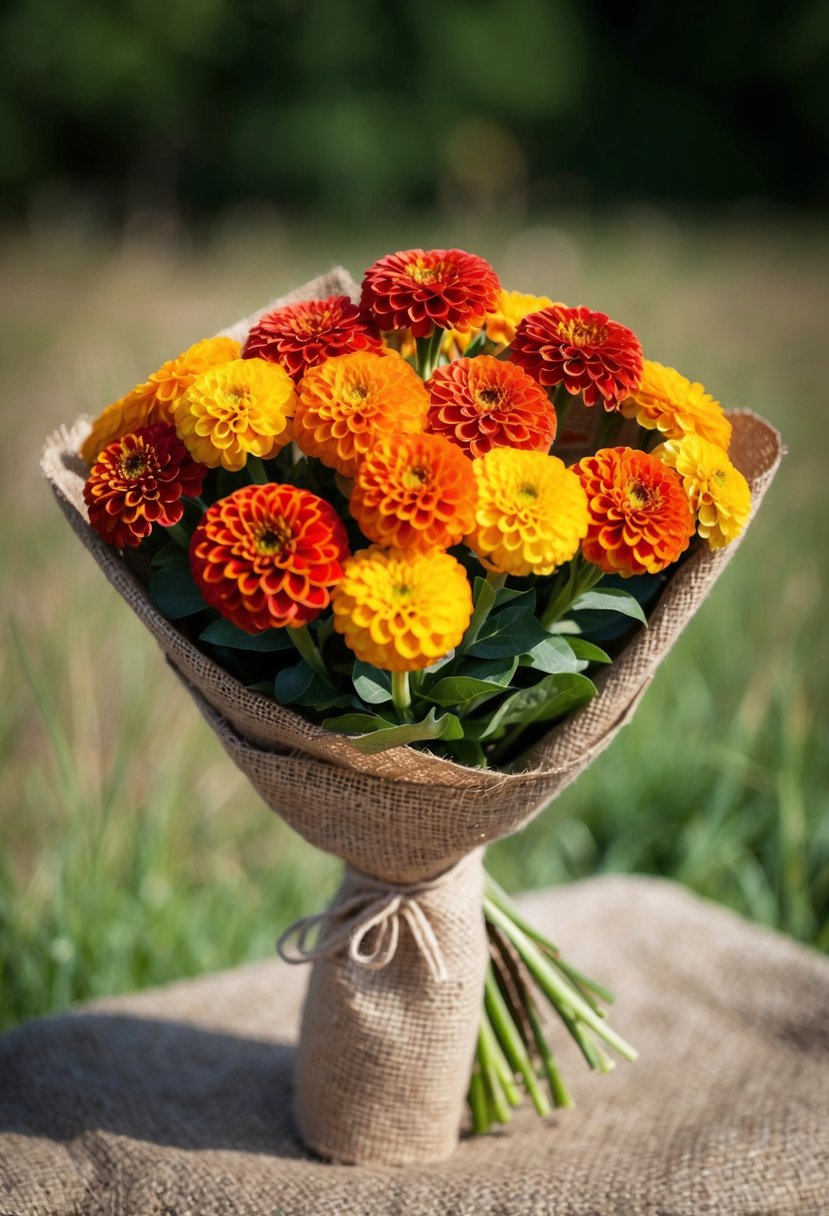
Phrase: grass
(134, 853)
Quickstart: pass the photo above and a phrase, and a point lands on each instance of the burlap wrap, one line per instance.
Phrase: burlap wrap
(402, 816)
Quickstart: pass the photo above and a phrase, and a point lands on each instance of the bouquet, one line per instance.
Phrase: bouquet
(416, 551)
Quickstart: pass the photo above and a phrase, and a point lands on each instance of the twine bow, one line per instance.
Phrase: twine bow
(367, 924)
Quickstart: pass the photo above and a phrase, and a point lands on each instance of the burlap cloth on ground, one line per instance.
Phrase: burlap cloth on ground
(405, 817)
(178, 1101)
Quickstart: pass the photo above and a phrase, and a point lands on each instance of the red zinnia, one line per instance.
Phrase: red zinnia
(417, 290)
(268, 555)
(584, 350)
(485, 403)
(640, 520)
(300, 336)
(139, 480)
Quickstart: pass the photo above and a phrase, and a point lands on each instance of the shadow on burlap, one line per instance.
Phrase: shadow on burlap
(178, 1100)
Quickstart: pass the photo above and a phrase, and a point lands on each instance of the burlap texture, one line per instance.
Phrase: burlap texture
(386, 1084)
(402, 816)
(179, 1100)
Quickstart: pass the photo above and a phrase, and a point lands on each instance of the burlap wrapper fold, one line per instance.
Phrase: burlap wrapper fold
(402, 816)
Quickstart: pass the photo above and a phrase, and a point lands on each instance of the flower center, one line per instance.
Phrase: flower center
(273, 536)
(579, 333)
(413, 478)
(488, 397)
(639, 495)
(134, 465)
(426, 275)
(527, 491)
(718, 477)
(356, 393)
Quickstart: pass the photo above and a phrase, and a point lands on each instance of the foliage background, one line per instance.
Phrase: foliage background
(167, 168)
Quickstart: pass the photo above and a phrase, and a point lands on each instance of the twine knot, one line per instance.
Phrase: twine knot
(367, 925)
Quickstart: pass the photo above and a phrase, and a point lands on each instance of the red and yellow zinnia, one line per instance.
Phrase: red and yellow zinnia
(583, 350)
(402, 611)
(139, 481)
(414, 492)
(299, 336)
(268, 556)
(640, 521)
(420, 289)
(484, 402)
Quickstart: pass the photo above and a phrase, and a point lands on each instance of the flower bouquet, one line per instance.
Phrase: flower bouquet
(416, 551)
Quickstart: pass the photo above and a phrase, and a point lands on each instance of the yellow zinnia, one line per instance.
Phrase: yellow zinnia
(718, 493)
(531, 513)
(239, 409)
(512, 307)
(154, 400)
(667, 401)
(402, 611)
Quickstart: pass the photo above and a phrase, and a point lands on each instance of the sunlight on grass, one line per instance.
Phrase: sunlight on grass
(133, 850)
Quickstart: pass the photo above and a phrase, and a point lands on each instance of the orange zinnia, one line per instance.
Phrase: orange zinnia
(154, 400)
(640, 521)
(268, 556)
(485, 403)
(414, 492)
(347, 403)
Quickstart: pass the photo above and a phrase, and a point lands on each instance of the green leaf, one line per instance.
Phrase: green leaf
(553, 655)
(511, 631)
(371, 683)
(169, 554)
(587, 651)
(174, 592)
(376, 734)
(458, 690)
(610, 600)
(493, 671)
(551, 697)
(225, 633)
(292, 682)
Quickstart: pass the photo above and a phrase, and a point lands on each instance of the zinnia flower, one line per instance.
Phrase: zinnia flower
(583, 350)
(512, 307)
(414, 492)
(485, 403)
(531, 512)
(402, 611)
(153, 401)
(268, 556)
(418, 290)
(303, 335)
(138, 481)
(675, 406)
(640, 521)
(717, 492)
(346, 403)
(239, 409)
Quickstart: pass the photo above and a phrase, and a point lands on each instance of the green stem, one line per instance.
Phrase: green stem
(512, 1043)
(401, 695)
(304, 643)
(428, 353)
(199, 502)
(481, 1119)
(476, 346)
(256, 471)
(565, 999)
(581, 576)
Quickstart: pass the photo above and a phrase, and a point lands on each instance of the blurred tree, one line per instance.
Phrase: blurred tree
(350, 107)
